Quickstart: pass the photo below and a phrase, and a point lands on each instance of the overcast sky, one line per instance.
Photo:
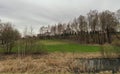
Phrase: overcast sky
(36, 13)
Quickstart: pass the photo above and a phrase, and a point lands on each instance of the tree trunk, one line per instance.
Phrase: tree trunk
(108, 36)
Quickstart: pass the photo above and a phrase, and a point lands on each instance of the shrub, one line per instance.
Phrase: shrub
(116, 45)
(111, 50)
(107, 51)
(28, 47)
(116, 42)
(8, 36)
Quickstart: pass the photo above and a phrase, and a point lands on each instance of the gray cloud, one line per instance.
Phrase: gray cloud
(37, 13)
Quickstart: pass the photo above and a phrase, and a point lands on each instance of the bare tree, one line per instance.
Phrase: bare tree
(82, 28)
(60, 28)
(93, 22)
(108, 23)
(118, 17)
(75, 28)
(8, 36)
(74, 25)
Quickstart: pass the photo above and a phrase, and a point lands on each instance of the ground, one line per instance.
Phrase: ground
(49, 63)
(68, 46)
(53, 63)
(57, 46)
(61, 58)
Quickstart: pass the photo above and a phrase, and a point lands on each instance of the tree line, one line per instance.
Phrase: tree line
(96, 27)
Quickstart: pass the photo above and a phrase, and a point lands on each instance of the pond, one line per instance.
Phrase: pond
(96, 65)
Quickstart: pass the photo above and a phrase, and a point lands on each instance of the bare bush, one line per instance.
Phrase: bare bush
(111, 50)
(8, 36)
(30, 43)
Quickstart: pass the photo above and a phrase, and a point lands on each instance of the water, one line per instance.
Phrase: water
(97, 65)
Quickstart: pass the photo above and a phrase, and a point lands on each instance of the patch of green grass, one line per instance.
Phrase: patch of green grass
(56, 46)
(72, 48)
(66, 46)
(52, 42)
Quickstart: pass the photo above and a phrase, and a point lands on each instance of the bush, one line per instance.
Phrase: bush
(116, 45)
(111, 50)
(107, 51)
(8, 36)
(28, 47)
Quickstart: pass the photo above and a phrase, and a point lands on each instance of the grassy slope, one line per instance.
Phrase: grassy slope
(66, 46)
(59, 46)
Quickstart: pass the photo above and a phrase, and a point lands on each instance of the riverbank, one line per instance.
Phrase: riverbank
(44, 64)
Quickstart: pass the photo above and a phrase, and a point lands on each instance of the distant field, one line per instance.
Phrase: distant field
(58, 46)
(68, 46)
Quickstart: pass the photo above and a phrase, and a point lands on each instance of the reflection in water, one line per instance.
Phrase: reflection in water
(97, 65)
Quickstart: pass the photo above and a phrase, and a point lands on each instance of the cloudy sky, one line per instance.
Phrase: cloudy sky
(36, 13)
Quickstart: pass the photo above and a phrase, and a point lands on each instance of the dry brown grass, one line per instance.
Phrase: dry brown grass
(54, 63)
